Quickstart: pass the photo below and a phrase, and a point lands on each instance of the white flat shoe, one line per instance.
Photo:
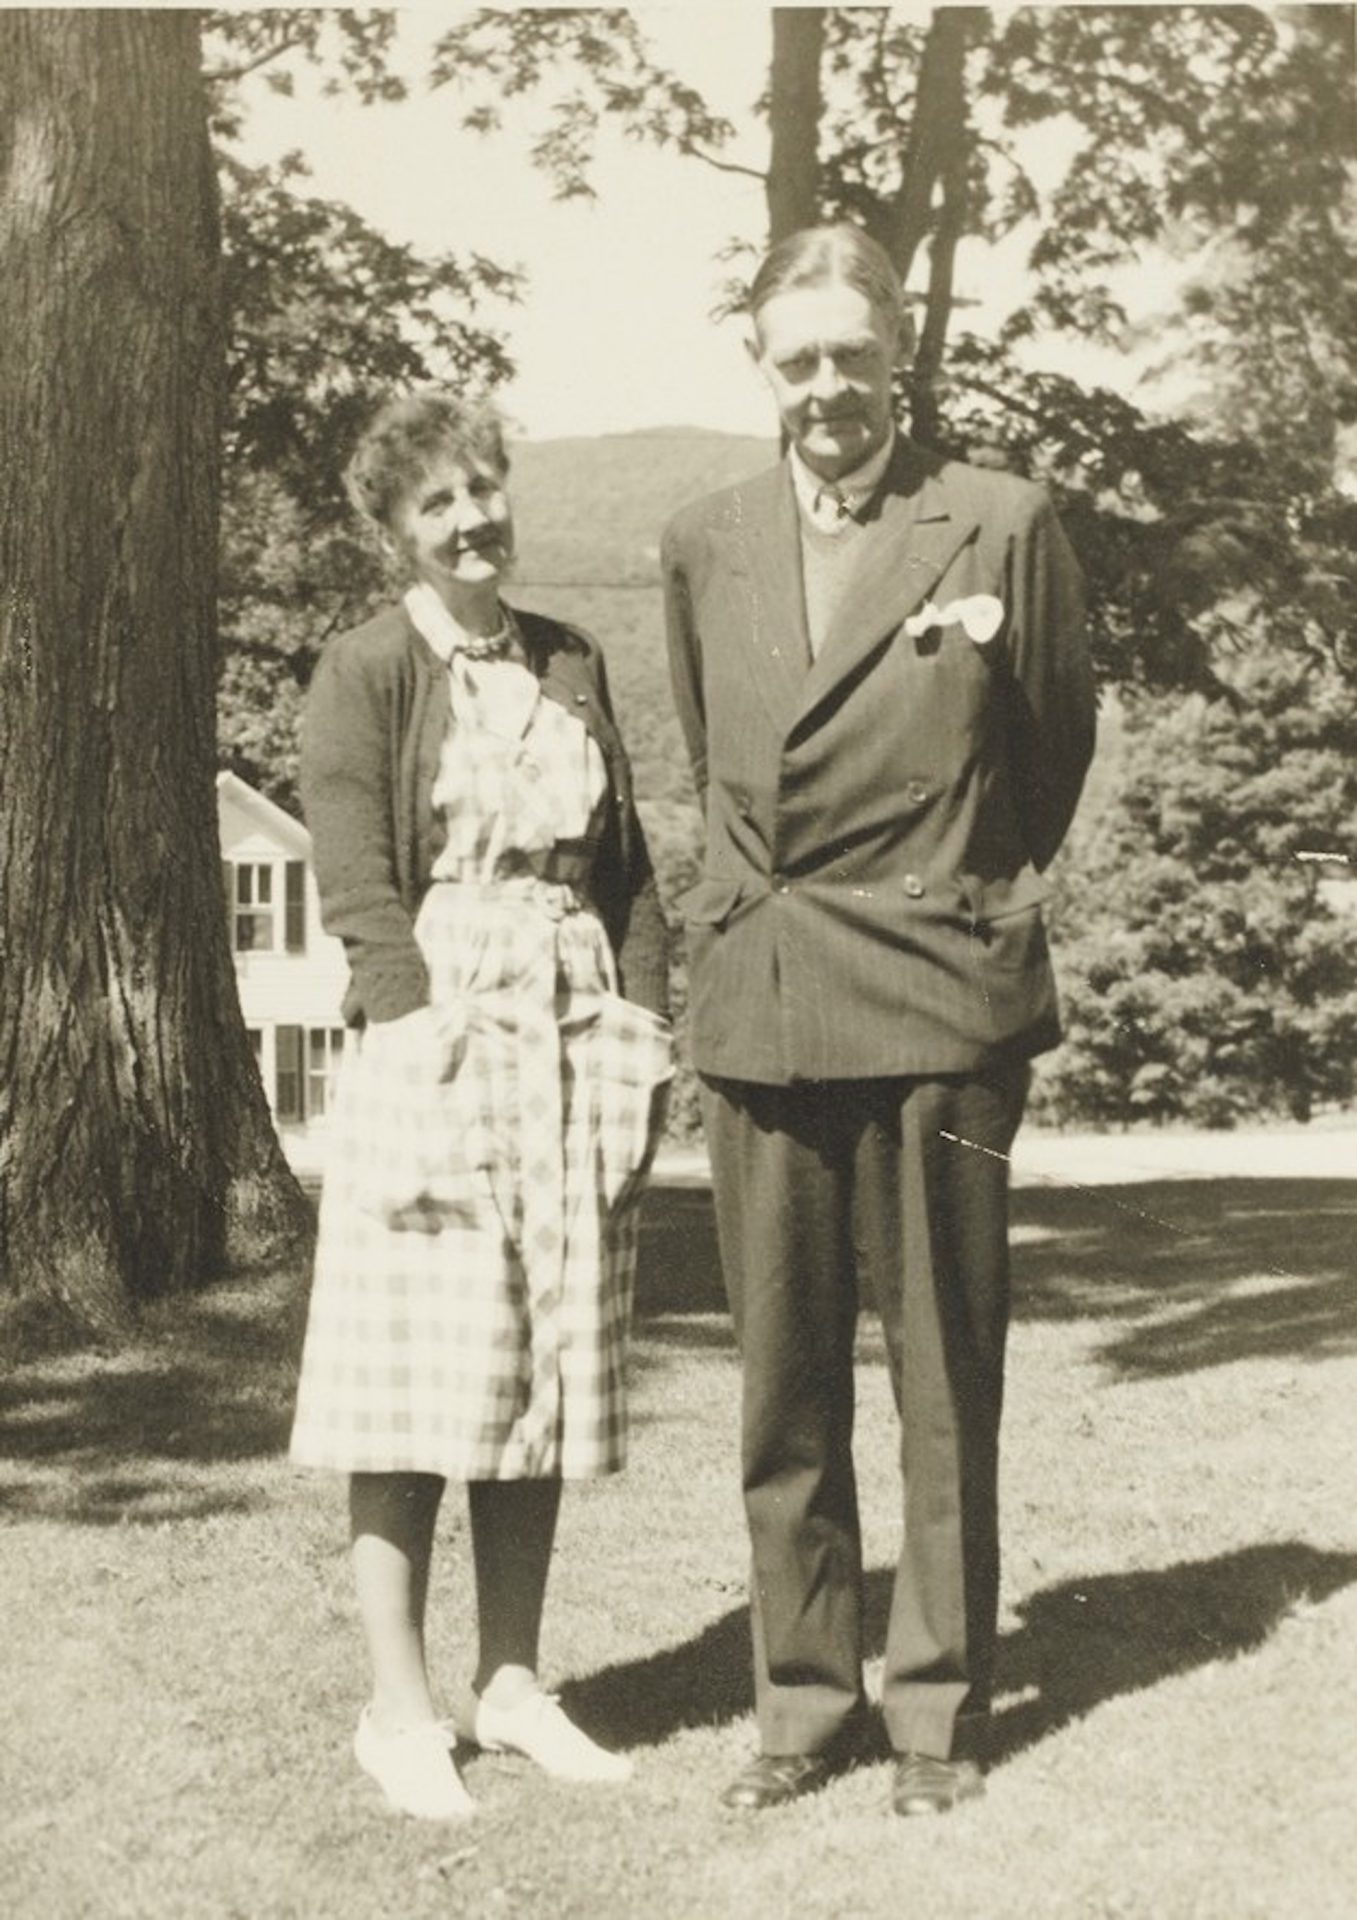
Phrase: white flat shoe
(537, 1726)
(414, 1769)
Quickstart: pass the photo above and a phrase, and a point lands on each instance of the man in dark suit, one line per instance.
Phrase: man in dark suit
(879, 664)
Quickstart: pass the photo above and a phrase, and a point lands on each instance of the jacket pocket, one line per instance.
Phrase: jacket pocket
(710, 902)
(1014, 941)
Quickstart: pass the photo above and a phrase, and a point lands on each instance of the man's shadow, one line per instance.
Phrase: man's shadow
(1087, 1641)
(1079, 1643)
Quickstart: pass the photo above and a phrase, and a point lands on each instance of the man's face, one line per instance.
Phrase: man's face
(827, 355)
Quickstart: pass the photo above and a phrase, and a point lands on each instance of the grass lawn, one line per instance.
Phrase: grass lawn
(1177, 1727)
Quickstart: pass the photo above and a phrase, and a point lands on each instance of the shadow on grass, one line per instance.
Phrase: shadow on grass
(678, 1268)
(1087, 1641)
(1191, 1273)
(149, 1432)
(1080, 1643)
(1198, 1273)
(101, 1439)
(1185, 1274)
(640, 1703)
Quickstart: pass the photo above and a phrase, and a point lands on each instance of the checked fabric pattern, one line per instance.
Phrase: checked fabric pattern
(477, 1242)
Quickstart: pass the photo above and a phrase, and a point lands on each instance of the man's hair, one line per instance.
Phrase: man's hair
(406, 435)
(826, 256)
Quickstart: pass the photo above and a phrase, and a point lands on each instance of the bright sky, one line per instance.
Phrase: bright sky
(615, 331)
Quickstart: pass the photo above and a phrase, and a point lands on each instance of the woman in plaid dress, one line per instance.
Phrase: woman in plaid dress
(478, 851)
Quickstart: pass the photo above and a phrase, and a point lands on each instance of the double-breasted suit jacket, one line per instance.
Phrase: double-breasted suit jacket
(877, 818)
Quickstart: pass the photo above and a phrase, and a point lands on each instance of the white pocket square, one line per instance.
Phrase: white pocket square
(980, 616)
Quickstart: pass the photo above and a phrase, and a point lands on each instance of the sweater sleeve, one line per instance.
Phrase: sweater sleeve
(629, 897)
(347, 799)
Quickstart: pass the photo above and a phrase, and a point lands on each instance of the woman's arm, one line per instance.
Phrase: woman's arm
(628, 895)
(347, 799)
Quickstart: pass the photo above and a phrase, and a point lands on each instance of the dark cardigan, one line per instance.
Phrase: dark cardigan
(376, 717)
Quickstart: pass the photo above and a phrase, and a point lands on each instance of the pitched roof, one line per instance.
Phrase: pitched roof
(272, 818)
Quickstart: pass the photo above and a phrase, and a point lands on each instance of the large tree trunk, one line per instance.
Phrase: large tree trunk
(938, 138)
(136, 1152)
(795, 105)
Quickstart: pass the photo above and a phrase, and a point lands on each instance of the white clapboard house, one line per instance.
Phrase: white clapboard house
(291, 974)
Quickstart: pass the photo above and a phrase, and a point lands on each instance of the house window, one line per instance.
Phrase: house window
(324, 1049)
(289, 1087)
(253, 922)
(267, 917)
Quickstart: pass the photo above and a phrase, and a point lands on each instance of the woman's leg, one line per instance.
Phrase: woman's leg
(391, 1518)
(399, 1739)
(513, 1527)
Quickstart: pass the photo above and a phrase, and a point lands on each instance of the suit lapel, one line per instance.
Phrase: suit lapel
(903, 552)
(763, 554)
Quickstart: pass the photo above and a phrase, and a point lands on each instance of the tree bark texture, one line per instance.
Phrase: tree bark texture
(938, 136)
(136, 1152)
(795, 106)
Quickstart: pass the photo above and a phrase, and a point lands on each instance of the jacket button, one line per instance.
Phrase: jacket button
(916, 793)
(913, 885)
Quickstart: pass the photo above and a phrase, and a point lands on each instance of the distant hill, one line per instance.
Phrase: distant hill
(590, 511)
(589, 514)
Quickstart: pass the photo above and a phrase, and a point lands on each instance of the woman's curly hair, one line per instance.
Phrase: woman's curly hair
(406, 435)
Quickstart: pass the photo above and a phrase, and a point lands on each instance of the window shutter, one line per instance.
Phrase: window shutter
(288, 1093)
(294, 909)
(228, 881)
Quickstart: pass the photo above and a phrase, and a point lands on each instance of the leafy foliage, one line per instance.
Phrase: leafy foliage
(352, 47)
(324, 315)
(1226, 134)
(1206, 976)
(502, 52)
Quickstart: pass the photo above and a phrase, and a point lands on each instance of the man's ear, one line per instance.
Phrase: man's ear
(906, 342)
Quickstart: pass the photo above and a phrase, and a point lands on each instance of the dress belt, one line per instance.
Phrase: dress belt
(554, 896)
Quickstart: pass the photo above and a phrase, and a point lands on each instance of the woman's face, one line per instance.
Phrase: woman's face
(454, 529)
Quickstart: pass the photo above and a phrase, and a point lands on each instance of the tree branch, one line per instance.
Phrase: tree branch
(938, 311)
(721, 166)
(1156, 98)
(219, 75)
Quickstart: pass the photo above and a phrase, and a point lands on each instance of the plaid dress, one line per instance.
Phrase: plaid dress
(477, 1242)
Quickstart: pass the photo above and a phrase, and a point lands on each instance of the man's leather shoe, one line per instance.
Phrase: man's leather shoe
(926, 1785)
(774, 1779)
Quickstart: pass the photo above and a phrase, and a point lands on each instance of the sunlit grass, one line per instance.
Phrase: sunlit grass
(1177, 1722)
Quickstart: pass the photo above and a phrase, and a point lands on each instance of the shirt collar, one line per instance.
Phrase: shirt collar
(446, 634)
(817, 495)
(433, 620)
